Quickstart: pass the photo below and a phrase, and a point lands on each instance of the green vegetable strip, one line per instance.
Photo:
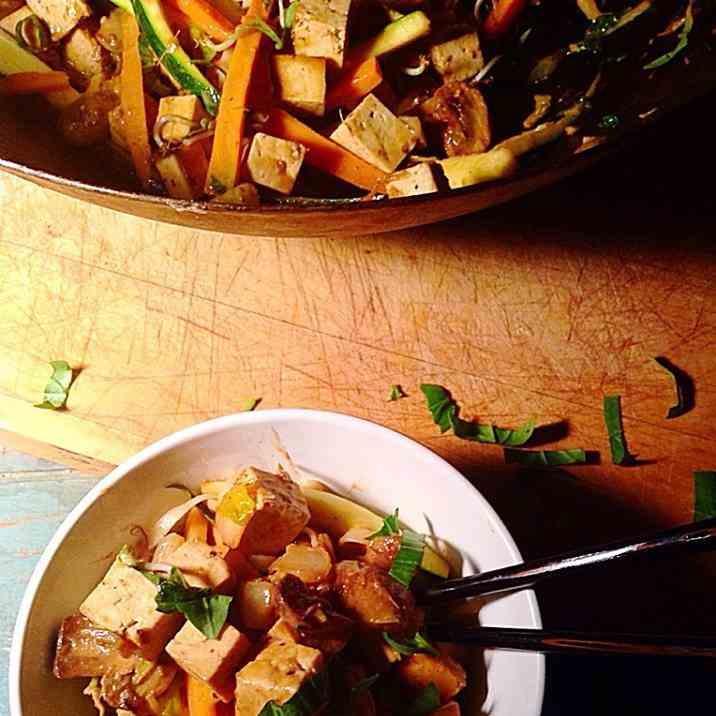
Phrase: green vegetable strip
(175, 61)
(427, 701)
(615, 430)
(545, 458)
(704, 494)
(415, 645)
(683, 386)
(681, 45)
(390, 526)
(409, 557)
(57, 388)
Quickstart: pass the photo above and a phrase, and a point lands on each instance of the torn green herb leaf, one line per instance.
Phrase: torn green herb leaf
(390, 526)
(311, 698)
(704, 494)
(427, 701)
(246, 406)
(206, 611)
(409, 557)
(364, 684)
(683, 385)
(681, 45)
(414, 645)
(396, 393)
(615, 430)
(57, 388)
(545, 458)
(440, 405)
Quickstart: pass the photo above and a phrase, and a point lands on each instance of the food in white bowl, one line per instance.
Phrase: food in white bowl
(287, 591)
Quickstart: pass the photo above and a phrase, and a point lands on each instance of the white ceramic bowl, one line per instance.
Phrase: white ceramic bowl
(373, 465)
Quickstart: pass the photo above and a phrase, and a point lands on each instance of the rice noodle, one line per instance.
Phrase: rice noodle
(166, 523)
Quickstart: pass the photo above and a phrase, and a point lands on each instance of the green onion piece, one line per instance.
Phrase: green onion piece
(57, 388)
(417, 644)
(681, 45)
(704, 494)
(545, 458)
(409, 557)
(615, 430)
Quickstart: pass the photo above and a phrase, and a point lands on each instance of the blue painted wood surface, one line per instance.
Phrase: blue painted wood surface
(35, 496)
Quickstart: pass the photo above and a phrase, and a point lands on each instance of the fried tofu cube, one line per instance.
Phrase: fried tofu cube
(417, 127)
(419, 670)
(211, 660)
(276, 674)
(243, 194)
(262, 512)
(274, 162)
(458, 59)
(372, 132)
(187, 107)
(301, 83)
(282, 630)
(202, 566)
(176, 182)
(83, 55)
(10, 22)
(319, 29)
(418, 179)
(125, 602)
(61, 16)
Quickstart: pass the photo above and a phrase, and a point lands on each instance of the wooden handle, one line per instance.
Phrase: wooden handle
(694, 536)
(572, 642)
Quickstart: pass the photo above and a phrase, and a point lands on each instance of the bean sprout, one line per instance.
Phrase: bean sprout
(230, 41)
(485, 70)
(418, 70)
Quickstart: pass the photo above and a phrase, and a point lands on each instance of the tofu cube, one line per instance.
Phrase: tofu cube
(282, 630)
(319, 29)
(301, 83)
(61, 16)
(176, 182)
(243, 194)
(417, 127)
(458, 59)
(262, 512)
(188, 107)
(10, 22)
(202, 566)
(83, 55)
(214, 661)
(372, 132)
(276, 674)
(125, 602)
(418, 179)
(274, 162)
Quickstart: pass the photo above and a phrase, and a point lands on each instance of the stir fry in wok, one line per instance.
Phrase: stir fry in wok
(260, 597)
(242, 101)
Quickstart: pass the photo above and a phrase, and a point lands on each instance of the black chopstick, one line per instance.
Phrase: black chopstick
(515, 639)
(690, 537)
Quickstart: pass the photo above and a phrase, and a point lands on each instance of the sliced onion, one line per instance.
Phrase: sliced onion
(166, 523)
(309, 564)
(418, 70)
(355, 535)
(262, 561)
(290, 466)
(161, 567)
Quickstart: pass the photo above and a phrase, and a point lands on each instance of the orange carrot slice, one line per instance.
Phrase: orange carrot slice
(323, 153)
(131, 93)
(354, 84)
(503, 15)
(202, 701)
(206, 17)
(34, 83)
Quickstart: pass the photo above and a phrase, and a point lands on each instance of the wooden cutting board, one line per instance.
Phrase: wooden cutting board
(535, 309)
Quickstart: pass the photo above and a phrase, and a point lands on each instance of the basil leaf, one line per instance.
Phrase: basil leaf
(364, 684)
(309, 699)
(415, 645)
(704, 494)
(615, 430)
(427, 701)
(246, 406)
(206, 611)
(445, 414)
(57, 388)
(683, 385)
(545, 458)
(409, 557)
(390, 526)
(681, 45)
(396, 393)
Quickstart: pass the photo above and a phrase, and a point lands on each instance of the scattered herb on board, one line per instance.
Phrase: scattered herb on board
(427, 701)
(246, 406)
(57, 388)
(704, 494)
(683, 385)
(445, 415)
(615, 430)
(206, 611)
(396, 393)
(545, 458)
(681, 45)
(414, 645)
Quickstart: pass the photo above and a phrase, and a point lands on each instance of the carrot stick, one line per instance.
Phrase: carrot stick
(502, 17)
(323, 153)
(354, 84)
(34, 83)
(230, 122)
(206, 17)
(202, 701)
(131, 92)
(196, 528)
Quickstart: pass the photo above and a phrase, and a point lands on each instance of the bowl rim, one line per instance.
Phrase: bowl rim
(199, 430)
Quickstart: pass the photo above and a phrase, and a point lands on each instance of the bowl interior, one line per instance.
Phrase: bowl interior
(373, 465)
